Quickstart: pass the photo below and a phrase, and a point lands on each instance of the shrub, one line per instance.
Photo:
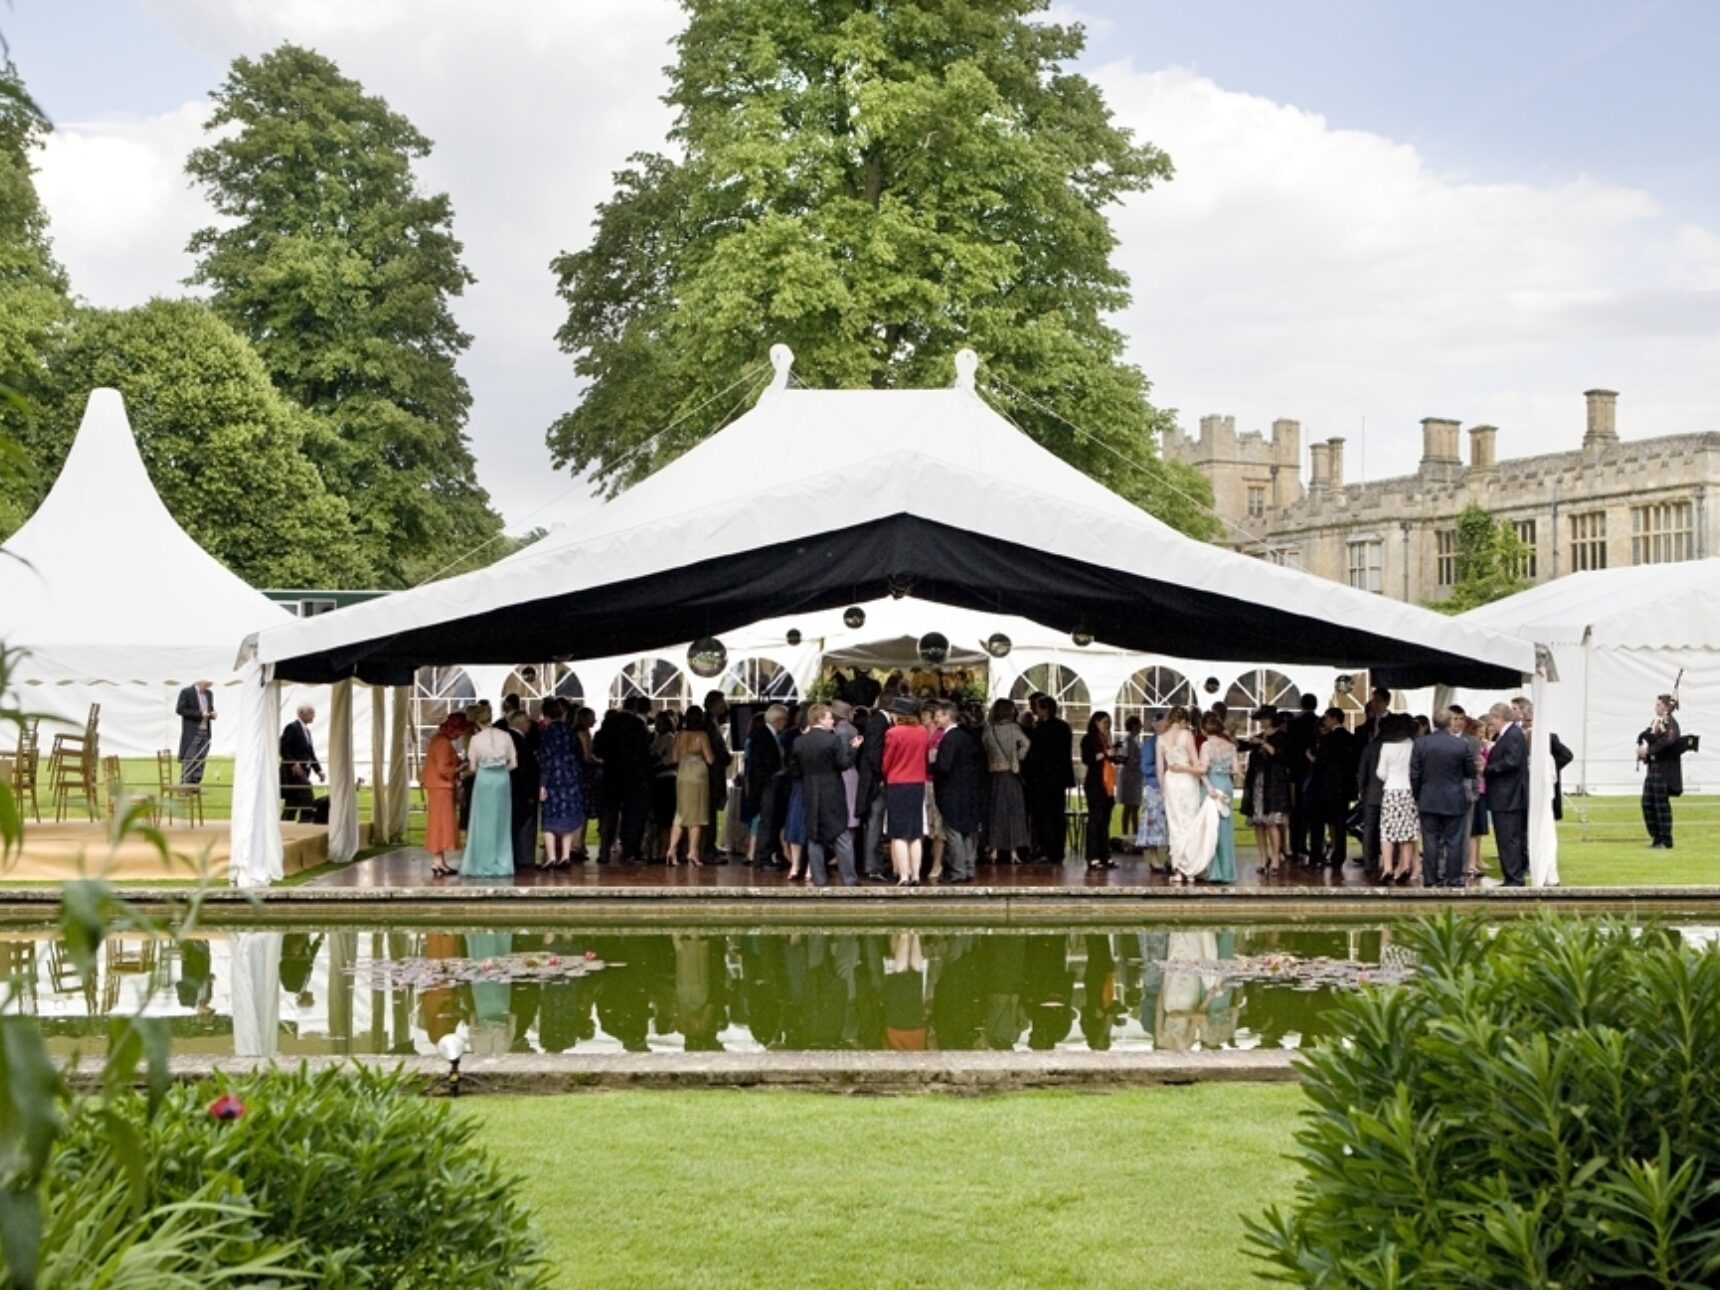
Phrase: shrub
(380, 1187)
(1540, 1105)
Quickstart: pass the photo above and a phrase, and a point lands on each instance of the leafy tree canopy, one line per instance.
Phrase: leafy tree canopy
(342, 273)
(1491, 559)
(225, 450)
(34, 305)
(877, 186)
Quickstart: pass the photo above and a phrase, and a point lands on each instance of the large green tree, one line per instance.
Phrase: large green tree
(224, 449)
(342, 273)
(1489, 564)
(34, 303)
(878, 185)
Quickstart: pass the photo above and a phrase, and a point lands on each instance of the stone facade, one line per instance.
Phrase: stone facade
(1606, 504)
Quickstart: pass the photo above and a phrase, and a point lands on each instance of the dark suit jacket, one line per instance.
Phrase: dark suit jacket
(1562, 757)
(958, 779)
(1442, 774)
(298, 756)
(819, 757)
(871, 761)
(190, 712)
(1369, 785)
(1508, 772)
(1332, 780)
(524, 779)
(1051, 755)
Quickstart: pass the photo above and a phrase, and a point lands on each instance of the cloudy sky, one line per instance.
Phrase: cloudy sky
(1380, 212)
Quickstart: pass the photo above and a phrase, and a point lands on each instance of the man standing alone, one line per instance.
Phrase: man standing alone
(1442, 777)
(1508, 793)
(298, 763)
(196, 709)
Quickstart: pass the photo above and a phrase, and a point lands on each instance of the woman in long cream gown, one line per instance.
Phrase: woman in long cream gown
(1180, 778)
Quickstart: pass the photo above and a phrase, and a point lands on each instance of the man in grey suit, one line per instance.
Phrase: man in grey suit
(1442, 777)
(1508, 793)
(196, 709)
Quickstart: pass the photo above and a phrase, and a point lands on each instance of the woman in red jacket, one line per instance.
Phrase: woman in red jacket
(907, 745)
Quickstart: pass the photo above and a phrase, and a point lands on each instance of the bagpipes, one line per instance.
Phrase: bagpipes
(1685, 743)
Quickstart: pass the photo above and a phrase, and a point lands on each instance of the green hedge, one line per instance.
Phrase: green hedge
(1540, 1105)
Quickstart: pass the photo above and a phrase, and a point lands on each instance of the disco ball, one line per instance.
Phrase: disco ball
(1344, 684)
(854, 618)
(707, 657)
(998, 645)
(934, 647)
(794, 635)
(1082, 637)
(1210, 685)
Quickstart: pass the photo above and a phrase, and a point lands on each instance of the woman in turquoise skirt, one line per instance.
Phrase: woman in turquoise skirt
(1218, 762)
(489, 838)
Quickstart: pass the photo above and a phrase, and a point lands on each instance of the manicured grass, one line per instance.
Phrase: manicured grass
(1602, 843)
(1138, 1188)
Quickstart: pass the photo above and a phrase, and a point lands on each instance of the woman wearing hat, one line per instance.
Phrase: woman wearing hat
(907, 744)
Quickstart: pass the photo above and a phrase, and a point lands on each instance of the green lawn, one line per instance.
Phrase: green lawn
(1138, 1188)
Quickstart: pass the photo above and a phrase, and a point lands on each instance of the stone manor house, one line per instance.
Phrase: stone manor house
(1606, 504)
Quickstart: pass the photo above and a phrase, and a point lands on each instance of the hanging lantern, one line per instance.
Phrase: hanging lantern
(1344, 684)
(854, 618)
(794, 635)
(1210, 685)
(707, 657)
(528, 674)
(899, 585)
(934, 647)
(1082, 637)
(998, 645)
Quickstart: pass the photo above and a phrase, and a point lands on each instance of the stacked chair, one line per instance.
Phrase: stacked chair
(19, 768)
(73, 769)
(171, 791)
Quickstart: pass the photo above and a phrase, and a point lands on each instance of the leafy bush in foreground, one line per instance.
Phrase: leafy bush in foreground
(1540, 1106)
(377, 1185)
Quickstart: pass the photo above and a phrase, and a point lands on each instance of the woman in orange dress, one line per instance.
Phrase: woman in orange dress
(440, 777)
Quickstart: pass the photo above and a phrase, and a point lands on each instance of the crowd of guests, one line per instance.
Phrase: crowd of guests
(910, 790)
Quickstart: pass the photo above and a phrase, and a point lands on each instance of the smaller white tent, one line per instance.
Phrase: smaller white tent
(115, 603)
(1619, 637)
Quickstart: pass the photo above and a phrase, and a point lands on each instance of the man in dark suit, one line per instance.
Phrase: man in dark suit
(1298, 743)
(958, 784)
(298, 763)
(1442, 777)
(1372, 792)
(523, 783)
(869, 795)
(1049, 772)
(196, 709)
(717, 728)
(623, 744)
(1507, 777)
(1331, 789)
(819, 757)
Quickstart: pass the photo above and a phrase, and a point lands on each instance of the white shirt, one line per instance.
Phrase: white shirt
(1394, 765)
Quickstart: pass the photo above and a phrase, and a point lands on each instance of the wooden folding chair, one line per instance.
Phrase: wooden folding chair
(172, 790)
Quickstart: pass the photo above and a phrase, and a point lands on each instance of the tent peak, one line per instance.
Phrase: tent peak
(967, 364)
(781, 361)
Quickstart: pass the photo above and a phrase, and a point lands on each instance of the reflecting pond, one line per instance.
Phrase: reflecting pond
(297, 992)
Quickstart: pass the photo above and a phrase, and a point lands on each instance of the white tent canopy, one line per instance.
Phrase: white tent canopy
(113, 601)
(820, 498)
(1618, 638)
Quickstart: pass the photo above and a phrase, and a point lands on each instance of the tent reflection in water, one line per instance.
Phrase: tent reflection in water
(817, 499)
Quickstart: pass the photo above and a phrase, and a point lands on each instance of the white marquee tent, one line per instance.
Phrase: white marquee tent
(115, 603)
(1618, 638)
(817, 499)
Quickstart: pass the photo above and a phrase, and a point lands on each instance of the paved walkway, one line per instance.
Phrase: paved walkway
(411, 868)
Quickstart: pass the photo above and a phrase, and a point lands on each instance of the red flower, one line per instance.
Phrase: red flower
(226, 1107)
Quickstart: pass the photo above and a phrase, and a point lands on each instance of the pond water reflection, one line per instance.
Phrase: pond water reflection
(399, 990)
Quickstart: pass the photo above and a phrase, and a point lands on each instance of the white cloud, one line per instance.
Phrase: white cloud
(119, 205)
(1292, 269)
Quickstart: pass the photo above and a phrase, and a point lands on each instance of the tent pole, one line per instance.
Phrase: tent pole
(1543, 834)
(342, 777)
(399, 785)
(381, 783)
(255, 829)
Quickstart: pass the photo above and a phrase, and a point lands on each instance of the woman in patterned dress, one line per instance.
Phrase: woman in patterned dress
(561, 779)
(1400, 826)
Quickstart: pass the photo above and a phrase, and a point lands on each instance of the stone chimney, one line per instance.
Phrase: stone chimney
(1439, 457)
(1320, 469)
(1335, 461)
(1483, 449)
(1603, 418)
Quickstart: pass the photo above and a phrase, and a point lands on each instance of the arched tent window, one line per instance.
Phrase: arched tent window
(1151, 687)
(1062, 684)
(535, 682)
(759, 680)
(436, 693)
(1256, 689)
(657, 679)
